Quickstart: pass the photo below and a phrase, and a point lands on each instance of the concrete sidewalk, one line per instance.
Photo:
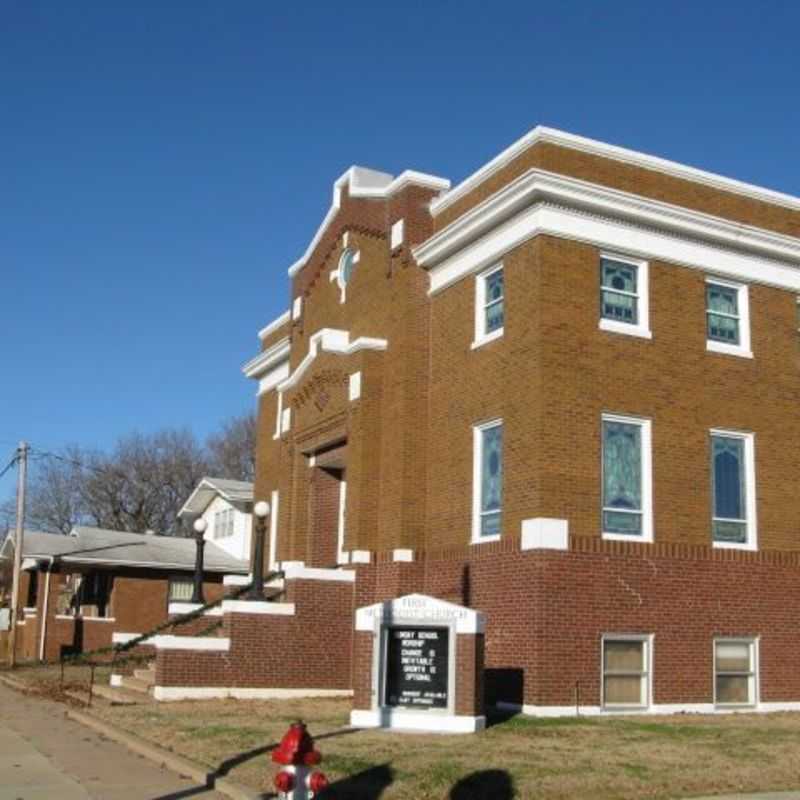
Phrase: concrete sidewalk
(44, 755)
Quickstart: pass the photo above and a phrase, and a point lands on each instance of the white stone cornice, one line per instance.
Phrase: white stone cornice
(363, 182)
(269, 359)
(273, 326)
(545, 203)
(631, 157)
(330, 340)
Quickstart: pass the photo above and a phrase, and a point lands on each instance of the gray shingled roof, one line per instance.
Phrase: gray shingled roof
(209, 488)
(102, 547)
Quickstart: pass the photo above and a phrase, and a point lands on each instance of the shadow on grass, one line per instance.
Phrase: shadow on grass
(488, 784)
(242, 758)
(366, 785)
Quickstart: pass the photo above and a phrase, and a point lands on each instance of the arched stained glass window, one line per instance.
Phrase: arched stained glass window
(346, 266)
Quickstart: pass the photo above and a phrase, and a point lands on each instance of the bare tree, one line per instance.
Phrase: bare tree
(139, 485)
(232, 451)
(142, 484)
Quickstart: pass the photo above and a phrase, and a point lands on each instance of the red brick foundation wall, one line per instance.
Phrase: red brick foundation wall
(546, 612)
(309, 649)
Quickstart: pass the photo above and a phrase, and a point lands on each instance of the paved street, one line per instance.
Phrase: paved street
(44, 755)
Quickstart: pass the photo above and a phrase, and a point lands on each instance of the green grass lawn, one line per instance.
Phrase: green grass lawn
(664, 757)
(619, 758)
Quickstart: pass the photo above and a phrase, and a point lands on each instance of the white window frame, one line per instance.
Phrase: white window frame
(647, 682)
(340, 554)
(642, 326)
(647, 478)
(481, 337)
(751, 517)
(743, 349)
(753, 674)
(477, 483)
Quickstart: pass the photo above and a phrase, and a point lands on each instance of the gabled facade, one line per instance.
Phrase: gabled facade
(226, 506)
(564, 393)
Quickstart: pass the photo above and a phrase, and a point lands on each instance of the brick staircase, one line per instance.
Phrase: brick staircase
(141, 681)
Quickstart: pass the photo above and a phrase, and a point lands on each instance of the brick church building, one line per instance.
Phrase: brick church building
(563, 393)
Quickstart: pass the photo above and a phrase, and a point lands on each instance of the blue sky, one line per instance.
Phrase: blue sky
(162, 163)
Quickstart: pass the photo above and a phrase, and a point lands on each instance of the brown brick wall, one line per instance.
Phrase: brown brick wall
(386, 298)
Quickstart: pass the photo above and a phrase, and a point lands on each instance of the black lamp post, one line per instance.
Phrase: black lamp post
(199, 529)
(261, 511)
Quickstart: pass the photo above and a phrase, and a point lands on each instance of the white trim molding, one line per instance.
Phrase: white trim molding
(743, 348)
(273, 326)
(646, 511)
(622, 154)
(270, 367)
(403, 555)
(236, 580)
(420, 607)
(360, 557)
(330, 340)
(188, 608)
(354, 386)
(415, 720)
(544, 203)
(258, 607)
(273, 529)
(545, 533)
(303, 573)
(171, 693)
(664, 709)
(205, 643)
(751, 519)
(362, 182)
(397, 235)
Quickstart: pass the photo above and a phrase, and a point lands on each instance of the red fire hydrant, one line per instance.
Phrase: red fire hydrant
(297, 780)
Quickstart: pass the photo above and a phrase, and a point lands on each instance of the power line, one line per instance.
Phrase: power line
(38, 455)
(10, 464)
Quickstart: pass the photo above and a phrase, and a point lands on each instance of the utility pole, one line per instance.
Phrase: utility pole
(22, 474)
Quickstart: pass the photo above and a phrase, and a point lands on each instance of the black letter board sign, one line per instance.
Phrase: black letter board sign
(417, 666)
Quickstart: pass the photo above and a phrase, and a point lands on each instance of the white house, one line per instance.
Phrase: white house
(227, 507)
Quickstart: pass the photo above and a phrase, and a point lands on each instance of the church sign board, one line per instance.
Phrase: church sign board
(416, 646)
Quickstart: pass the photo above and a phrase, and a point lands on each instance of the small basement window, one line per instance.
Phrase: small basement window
(626, 671)
(735, 676)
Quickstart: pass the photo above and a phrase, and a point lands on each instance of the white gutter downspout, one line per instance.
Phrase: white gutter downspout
(44, 607)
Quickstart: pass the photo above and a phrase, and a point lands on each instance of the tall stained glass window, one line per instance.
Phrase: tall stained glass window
(729, 519)
(622, 477)
(490, 455)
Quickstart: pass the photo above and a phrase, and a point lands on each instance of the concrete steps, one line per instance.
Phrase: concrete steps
(142, 680)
